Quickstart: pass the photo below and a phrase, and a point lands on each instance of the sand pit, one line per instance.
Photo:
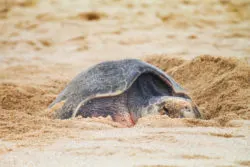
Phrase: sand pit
(219, 86)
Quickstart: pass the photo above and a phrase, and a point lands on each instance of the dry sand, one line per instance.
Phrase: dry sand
(203, 45)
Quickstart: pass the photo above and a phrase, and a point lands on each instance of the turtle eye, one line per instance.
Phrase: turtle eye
(166, 110)
(187, 109)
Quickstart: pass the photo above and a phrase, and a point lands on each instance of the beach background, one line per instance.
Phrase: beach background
(203, 45)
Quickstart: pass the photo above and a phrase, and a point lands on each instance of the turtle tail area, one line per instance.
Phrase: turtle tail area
(124, 118)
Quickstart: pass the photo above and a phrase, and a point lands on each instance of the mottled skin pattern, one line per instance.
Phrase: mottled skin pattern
(126, 90)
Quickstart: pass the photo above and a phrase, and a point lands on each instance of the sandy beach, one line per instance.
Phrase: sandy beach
(203, 45)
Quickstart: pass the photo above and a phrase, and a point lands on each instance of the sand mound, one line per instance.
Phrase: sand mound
(27, 98)
(24, 113)
(159, 121)
(220, 86)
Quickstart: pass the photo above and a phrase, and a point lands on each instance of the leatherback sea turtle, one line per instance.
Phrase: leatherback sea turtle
(126, 90)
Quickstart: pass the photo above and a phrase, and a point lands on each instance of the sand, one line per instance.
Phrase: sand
(204, 46)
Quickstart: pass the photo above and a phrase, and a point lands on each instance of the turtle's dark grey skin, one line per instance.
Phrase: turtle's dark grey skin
(126, 90)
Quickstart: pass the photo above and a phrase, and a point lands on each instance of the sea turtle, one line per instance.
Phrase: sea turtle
(126, 90)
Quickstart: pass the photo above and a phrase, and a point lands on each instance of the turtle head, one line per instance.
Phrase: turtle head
(177, 107)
